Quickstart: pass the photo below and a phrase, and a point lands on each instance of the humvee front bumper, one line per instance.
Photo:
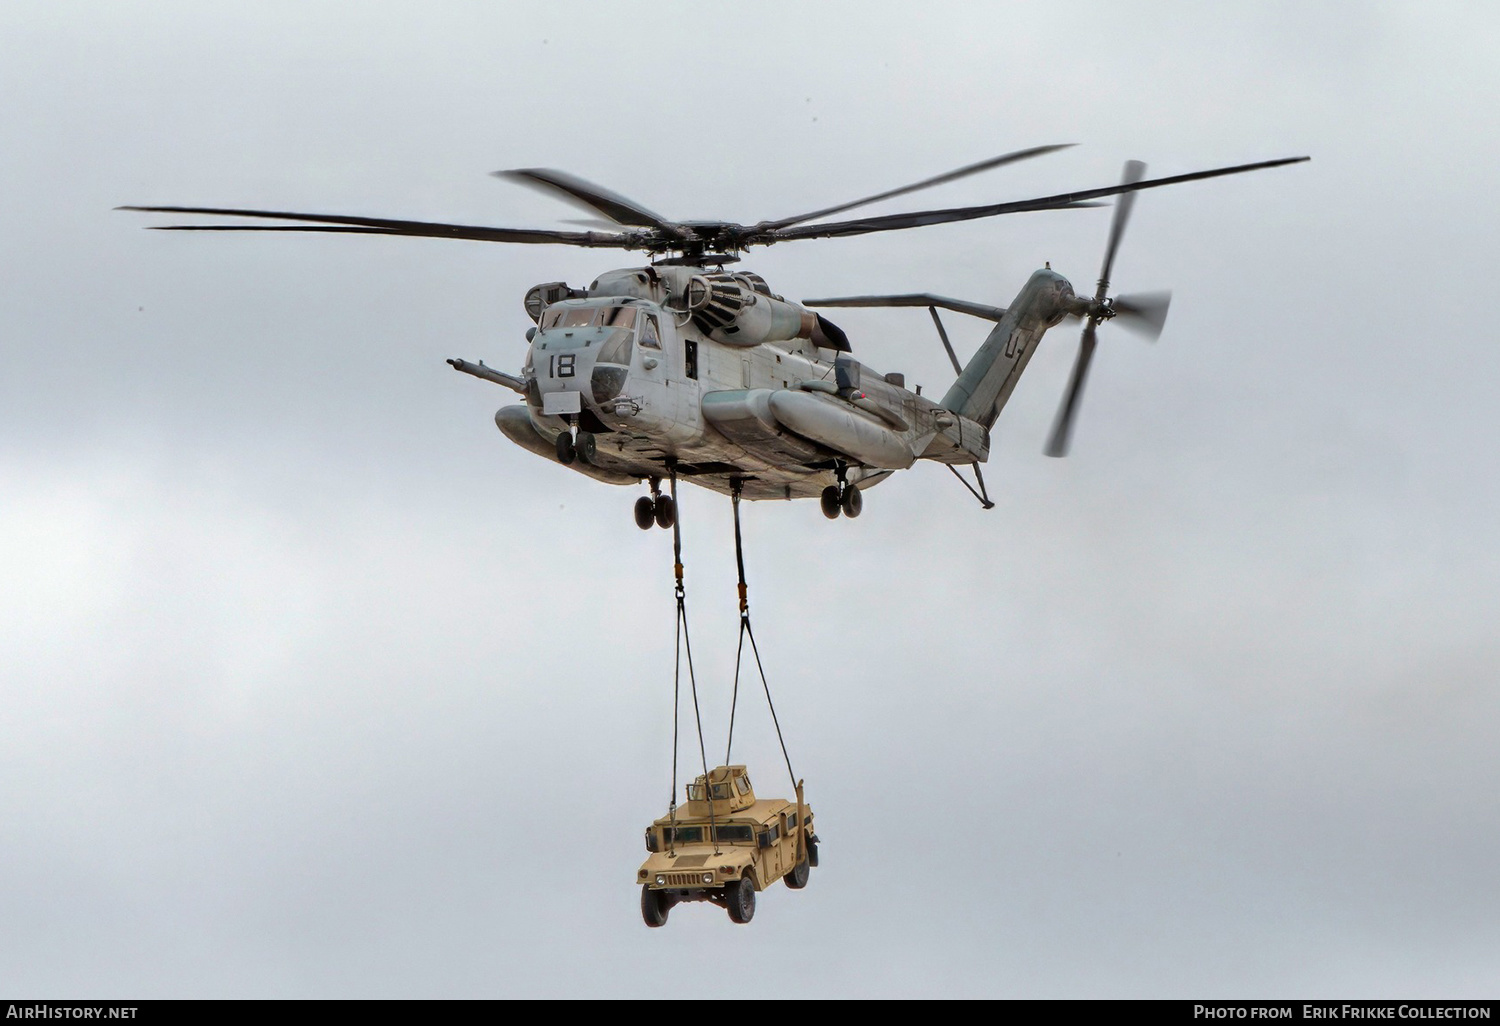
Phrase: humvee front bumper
(663, 872)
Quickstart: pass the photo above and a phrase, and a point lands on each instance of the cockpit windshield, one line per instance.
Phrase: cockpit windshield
(617, 349)
(560, 316)
(618, 316)
(568, 317)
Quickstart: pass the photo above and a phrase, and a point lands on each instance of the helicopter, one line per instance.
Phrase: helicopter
(686, 367)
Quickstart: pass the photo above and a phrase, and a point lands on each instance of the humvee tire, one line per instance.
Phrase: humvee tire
(796, 877)
(740, 898)
(812, 854)
(654, 907)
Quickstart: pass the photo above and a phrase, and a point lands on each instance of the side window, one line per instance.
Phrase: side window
(743, 784)
(649, 337)
(690, 358)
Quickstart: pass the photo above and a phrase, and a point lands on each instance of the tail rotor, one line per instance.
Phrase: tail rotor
(1144, 313)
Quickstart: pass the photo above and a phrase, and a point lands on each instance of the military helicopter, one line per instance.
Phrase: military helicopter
(684, 368)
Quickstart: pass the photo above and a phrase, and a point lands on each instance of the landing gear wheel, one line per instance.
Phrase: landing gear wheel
(586, 446)
(853, 502)
(797, 878)
(830, 502)
(666, 511)
(565, 452)
(654, 906)
(739, 897)
(645, 513)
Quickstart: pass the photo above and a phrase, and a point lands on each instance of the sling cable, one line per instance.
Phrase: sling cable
(684, 647)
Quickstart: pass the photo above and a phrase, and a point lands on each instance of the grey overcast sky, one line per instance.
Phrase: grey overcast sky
(311, 684)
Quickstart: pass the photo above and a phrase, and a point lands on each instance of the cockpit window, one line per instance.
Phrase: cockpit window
(649, 337)
(568, 317)
(617, 349)
(560, 316)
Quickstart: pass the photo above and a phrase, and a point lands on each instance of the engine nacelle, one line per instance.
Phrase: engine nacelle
(738, 310)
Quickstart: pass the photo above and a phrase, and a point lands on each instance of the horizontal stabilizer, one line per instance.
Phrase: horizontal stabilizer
(989, 313)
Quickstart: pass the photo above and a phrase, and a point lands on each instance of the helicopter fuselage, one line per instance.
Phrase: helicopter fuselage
(630, 362)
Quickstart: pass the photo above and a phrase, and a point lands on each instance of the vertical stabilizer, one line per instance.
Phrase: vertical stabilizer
(981, 391)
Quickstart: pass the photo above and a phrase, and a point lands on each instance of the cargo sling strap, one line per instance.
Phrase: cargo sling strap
(747, 632)
(685, 647)
(684, 642)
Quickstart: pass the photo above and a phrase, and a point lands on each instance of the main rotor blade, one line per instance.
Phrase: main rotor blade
(590, 222)
(595, 197)
(1144, 313)
(895, 222)
(389, 226)
(1134, 169)
(950, 176)
(989, 313)
(1062, 427)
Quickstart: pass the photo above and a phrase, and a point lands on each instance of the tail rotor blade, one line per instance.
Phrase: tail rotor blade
(1144, 313)
(1062, 427)
(1134, 172)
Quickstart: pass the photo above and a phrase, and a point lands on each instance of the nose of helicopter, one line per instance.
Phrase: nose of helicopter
(594, 364)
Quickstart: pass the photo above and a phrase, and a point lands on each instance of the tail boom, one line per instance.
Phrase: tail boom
(985, 385)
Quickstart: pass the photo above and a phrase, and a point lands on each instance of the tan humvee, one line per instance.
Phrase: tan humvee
(724, 845)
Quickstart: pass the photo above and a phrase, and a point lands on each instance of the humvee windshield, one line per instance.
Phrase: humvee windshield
(733, 834)
(683, 835)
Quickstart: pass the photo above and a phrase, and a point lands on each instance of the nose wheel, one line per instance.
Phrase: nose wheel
(655, 508)
(570, 448)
